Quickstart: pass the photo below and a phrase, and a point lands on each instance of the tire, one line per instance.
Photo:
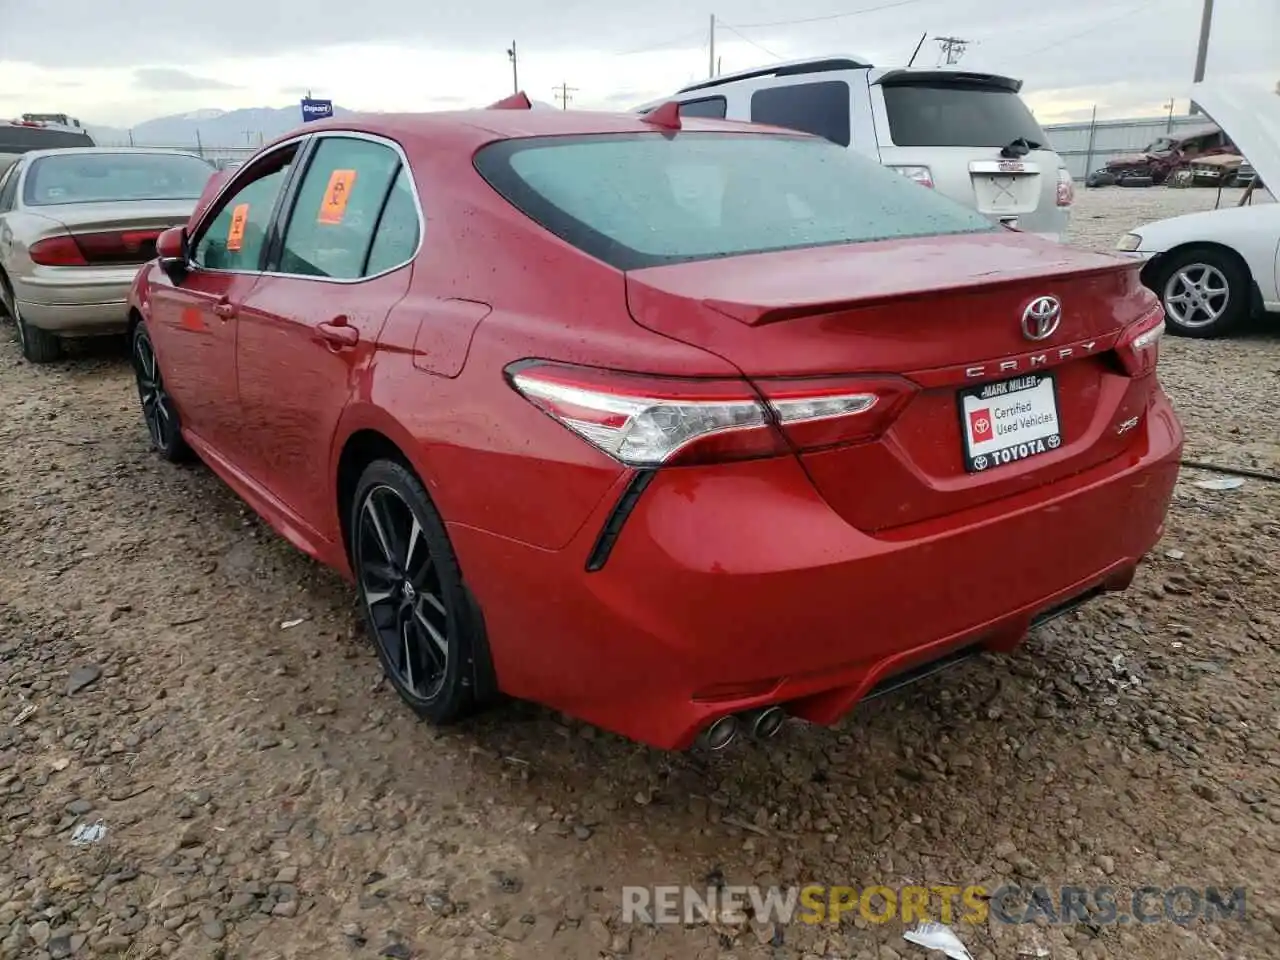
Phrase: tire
(38, 346)
(1209, 315)
(158, 411)
(416, 608)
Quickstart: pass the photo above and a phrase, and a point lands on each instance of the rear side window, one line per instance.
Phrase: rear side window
(642, 200)
(712, 107)
(398, 231)
(8, 186)
(91, 177)
(955, 115)
(818, 108)
(337, 208)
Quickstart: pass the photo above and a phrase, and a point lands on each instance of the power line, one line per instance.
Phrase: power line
(677, 41)
(564, 93)
(1070, 38)
(739, 33)
(832, 16)
(952, 48)
(665, 45)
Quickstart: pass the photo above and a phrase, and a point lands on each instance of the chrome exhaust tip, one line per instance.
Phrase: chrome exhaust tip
(766, 722)
(719, 734)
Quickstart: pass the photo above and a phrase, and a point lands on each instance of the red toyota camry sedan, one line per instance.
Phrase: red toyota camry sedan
(676, 425)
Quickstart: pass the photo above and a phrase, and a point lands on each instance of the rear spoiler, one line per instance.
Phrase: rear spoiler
(958, 78)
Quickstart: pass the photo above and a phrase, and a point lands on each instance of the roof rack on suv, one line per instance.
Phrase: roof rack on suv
(789, 69)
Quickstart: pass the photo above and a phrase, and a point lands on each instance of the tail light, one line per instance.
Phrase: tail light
(57, 252)
(649, 421)
(921, 175)
(1139, 344)
(124, 247)
(1066, 188)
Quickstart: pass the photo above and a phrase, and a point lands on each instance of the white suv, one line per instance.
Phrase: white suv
(967, 135)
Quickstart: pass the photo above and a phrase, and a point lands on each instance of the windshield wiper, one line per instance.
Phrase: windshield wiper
(1019, 147)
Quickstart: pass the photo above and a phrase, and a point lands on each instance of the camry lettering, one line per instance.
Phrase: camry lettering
(1014, 364)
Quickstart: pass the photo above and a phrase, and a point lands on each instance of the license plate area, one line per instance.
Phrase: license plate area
(1008, 421)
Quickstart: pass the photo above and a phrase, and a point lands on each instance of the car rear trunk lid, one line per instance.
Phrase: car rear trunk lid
(946, 313)
(119, 233)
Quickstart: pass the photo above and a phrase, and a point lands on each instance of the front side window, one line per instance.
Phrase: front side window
(86, 176)
(235, 237)
(819, 108)
(336, 211)
(642, 200)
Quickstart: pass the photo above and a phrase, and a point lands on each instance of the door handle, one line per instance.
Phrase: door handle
(224, 310)
(338, 333)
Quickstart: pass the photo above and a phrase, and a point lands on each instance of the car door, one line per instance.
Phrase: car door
(194, 321)
(309, 328)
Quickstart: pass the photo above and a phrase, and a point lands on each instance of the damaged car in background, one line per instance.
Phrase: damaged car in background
(1216, 269)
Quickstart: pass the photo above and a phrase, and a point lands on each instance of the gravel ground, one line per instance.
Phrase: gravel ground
(264, 795)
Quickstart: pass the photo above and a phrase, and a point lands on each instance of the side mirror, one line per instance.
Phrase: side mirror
(171, 248)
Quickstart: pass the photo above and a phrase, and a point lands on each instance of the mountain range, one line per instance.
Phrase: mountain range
(208, 128)
(214, 129)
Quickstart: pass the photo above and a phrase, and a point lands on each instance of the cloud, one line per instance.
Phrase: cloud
(1127, 56)
(171, 79)
(625, 97)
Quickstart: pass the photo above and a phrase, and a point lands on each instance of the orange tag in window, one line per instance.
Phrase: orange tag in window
(235, 232)
(333, 205)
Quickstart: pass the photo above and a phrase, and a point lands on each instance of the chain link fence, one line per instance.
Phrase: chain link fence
(208, 151)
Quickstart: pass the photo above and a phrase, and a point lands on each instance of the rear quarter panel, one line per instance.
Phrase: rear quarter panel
(19, 229)
(490, 459)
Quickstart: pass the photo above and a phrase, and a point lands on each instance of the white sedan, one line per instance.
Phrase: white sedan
(1214, 270)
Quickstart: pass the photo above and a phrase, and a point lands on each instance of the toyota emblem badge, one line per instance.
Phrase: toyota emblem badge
(1041, 318)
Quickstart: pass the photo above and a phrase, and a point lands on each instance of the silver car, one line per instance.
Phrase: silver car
(75, 225)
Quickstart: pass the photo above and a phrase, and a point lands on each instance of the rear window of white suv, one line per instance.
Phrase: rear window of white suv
(958, 115)
(643, 200)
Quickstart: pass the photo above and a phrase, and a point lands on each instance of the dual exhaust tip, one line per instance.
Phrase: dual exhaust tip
(759, 724)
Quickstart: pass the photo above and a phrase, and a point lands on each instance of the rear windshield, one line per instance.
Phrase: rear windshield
(641, 200)
(104, 177)
(15, 138)
(956, 115)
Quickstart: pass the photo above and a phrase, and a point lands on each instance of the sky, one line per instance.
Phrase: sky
(121, 62)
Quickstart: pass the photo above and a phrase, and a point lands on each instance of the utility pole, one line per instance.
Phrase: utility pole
(564, 93)
(515, 69)
(711, 59)
(1202, 51)
(952, 48)
(1169, 126)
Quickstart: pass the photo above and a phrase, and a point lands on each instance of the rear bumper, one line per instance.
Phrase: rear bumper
(736, 587)
(77, 319)
(76, 300)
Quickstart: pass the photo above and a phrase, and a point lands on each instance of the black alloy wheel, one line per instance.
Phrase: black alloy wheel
(411, 592)
(158, 411)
